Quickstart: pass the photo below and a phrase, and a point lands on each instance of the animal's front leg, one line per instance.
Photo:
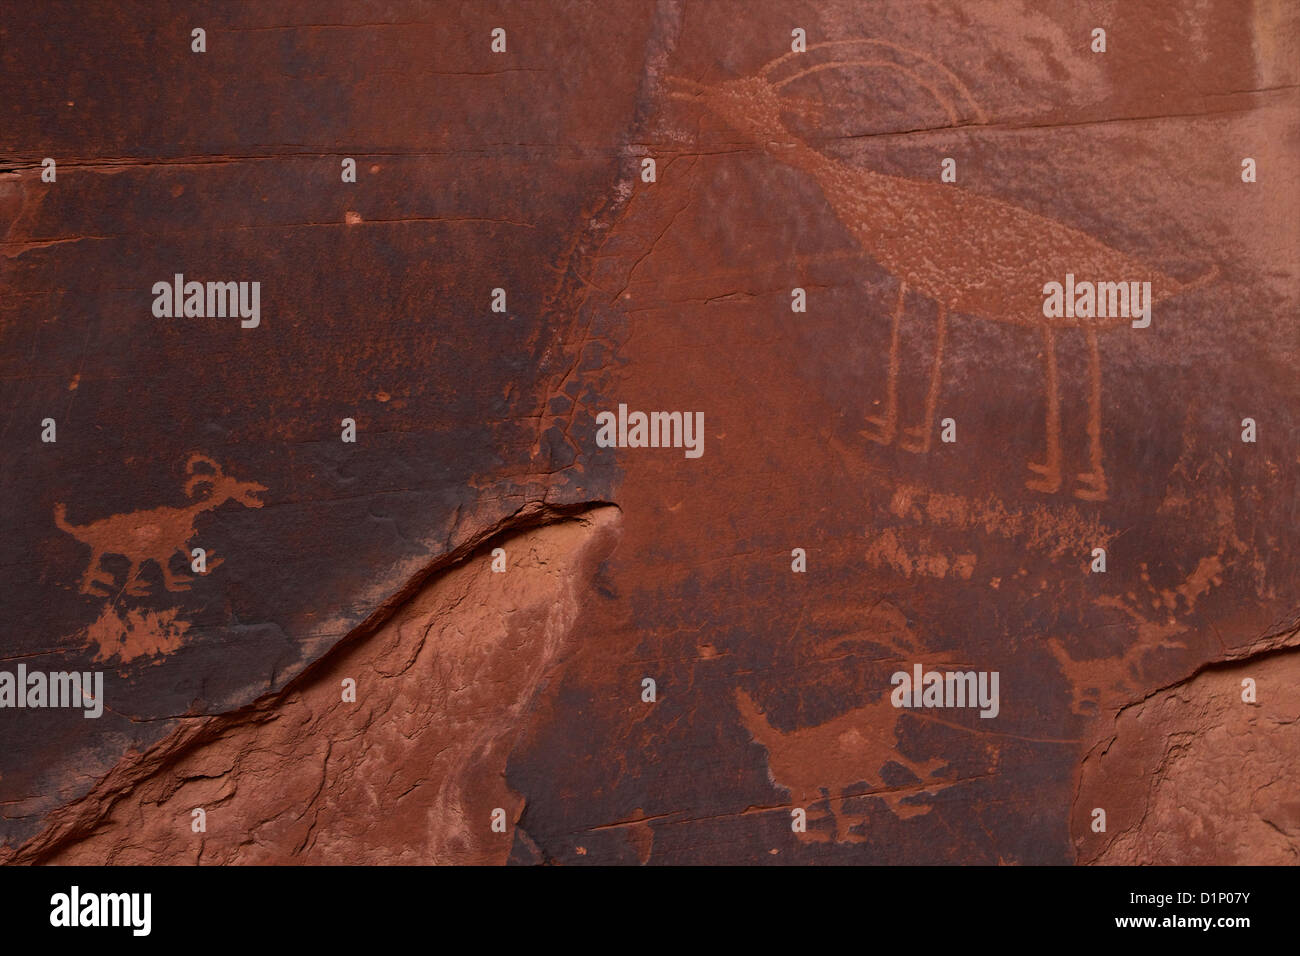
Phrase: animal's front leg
(918, 437)
(887, 424)
(171, 581)
(1093, 483)
(1050, 469)
(182, 582)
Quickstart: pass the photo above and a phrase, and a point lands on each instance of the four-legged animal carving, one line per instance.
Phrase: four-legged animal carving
(156, 534)
(968, 253)
(820, 765)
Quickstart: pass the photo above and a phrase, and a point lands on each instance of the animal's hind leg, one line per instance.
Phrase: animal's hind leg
(1050, 469)
(1093, 482)
(135, 583)
(887, 424)
(830, 812)
(918, 437)
(93, 577)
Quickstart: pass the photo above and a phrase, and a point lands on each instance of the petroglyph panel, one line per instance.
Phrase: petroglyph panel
(982, 347)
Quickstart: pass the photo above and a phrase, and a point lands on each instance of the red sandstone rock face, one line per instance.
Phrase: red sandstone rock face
(522, 690)
(1195, 774)
(403, 772)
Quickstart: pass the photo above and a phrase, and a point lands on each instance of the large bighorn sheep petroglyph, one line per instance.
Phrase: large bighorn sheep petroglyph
(156, 534)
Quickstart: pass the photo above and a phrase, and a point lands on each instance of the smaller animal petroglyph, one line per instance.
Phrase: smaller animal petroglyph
(1162, 619)
(821, 765)
(1102, 685)
(156, 534)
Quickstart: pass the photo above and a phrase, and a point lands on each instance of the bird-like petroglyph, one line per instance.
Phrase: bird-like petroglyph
(968, 253)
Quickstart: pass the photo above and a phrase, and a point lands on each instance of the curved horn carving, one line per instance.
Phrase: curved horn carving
(836, 63)
(200, 479)
(196, 458)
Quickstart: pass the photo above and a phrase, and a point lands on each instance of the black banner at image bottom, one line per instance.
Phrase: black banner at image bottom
(135, 906)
